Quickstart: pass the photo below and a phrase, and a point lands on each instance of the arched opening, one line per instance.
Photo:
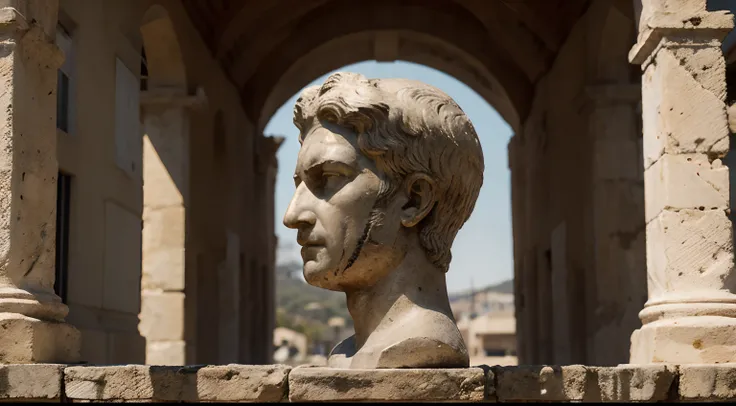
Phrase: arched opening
(310, 40)
(165, 183)
(391, 45)
(486, 48)
(479, 279)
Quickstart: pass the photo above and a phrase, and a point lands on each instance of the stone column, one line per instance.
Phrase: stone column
(229, 301)
(262, 279)
(618, 219)
(31, 315)
(165, 196)
(690, 315)
(518, 210)
(531, 343)
(270, 277)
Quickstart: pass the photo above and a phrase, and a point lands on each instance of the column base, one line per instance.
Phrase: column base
(166, 352)
(685, 340)
(25, 340)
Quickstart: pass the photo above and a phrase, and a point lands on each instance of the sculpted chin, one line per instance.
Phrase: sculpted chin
(388, 172)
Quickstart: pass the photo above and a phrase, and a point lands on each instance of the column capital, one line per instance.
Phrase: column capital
(11, 20)
(606, 95)
(267, 147)
(513, 149)
(14, 24)
(703, 25)
(173, 97)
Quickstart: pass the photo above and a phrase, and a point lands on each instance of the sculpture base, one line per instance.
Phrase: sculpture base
(685, 340)
(25, 340)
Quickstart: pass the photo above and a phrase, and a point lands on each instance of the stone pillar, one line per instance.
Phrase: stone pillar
(165, 196)
(270, 277)
(31, 315)
(263, 279)
(229, 301)
(534, 223)
(544, 304)
(518, 211)
(618, 219)
(690, 316)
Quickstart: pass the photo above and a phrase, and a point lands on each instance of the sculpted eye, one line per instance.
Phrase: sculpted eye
(332, 181)
(328, 175)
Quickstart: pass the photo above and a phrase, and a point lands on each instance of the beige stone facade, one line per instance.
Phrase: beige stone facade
(623, 245)
(171, 190)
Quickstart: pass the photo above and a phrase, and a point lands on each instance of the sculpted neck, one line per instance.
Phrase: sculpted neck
(416, 282)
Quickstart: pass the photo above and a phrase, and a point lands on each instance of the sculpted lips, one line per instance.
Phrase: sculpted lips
(308, 241)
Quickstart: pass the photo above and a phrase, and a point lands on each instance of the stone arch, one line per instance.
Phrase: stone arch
(444, 35)
(390, 45)
(165, 191)
(163, 54)
(610, 38)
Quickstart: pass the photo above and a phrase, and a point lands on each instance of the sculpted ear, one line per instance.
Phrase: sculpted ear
(421, 196)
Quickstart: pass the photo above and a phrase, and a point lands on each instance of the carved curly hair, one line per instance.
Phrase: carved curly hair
(406, 127)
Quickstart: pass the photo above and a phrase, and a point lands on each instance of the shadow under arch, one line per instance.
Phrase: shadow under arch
(164, 59)
(408, 46)
(588, 315)
(440, 34)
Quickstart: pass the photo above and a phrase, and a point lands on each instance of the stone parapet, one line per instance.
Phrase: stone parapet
(370, 385)
(280, 383)
(31, 382)
(137, 383)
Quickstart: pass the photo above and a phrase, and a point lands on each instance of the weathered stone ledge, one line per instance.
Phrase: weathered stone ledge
(279, 383)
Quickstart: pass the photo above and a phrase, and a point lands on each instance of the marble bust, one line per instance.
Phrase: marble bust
(388, 171)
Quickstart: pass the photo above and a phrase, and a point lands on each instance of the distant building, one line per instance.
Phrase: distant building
(289, 345)
(490, 338)
(481, 302)
(488, 326)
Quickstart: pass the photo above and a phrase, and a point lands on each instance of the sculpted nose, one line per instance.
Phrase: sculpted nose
(297, 216)
(301, 218)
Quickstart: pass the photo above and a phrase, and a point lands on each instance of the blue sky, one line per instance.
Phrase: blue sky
(482, 251)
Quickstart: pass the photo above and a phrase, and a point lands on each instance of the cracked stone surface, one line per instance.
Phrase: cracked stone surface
(328, 384)
(262, 383)
(268, 383)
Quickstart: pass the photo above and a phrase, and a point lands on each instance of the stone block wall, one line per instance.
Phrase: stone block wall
(578, 199)
(151, 242)
(279, 383)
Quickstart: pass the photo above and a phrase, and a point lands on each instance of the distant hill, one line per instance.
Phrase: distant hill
(306, 308)
(297, 298)
(503, 287)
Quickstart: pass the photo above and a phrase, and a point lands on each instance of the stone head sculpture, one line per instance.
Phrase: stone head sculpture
(388, 172)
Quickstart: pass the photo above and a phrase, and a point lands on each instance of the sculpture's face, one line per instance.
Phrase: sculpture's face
(336, 197)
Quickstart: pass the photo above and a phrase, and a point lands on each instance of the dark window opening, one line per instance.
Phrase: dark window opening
(62, 102)
(495, 352)
(63, 94)
(731, 84)
(144, 70)
(63, 200)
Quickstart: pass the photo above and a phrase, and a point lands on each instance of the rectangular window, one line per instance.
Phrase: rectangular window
(128, 136)
(63, 200)
(144, 70)
(64, 85)
(495, 352)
